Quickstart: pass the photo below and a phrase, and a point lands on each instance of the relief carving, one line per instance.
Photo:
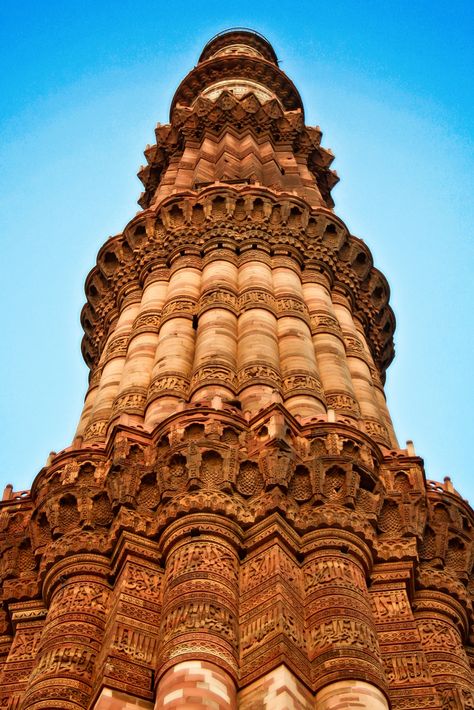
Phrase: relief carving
(276, 620)
(401, 670)
(302, 383)
(323, 323)
(277, 466)
(170, 384)
(353, 345)
(219, 297)
(375, 429)
(201, 616)
(214, 374)
(343, 403)
(70, 659)
(344, 632)
(205, 557)
(134, 644)
(390, 605)
(25, 645)
(253, 374)
(132, 401)
(255, 298)
(117, 347)
(437, 635)
(142, 581)
(335, 571)
(291, 306)
(146, 322)
(249, 479)
(178, 306)
(95, 430)
(264, 566)
(82, 597)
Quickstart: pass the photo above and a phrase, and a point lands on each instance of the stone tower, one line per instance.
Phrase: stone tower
(235, 525)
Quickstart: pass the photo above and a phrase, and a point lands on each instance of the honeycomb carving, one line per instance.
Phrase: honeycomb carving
(300, 484)
(249, 479)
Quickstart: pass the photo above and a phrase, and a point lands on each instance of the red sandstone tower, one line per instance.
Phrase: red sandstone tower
(234, 525)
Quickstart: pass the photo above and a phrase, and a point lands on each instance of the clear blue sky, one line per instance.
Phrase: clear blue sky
(82, 86)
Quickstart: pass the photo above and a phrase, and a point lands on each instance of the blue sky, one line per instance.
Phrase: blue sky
(83, 85)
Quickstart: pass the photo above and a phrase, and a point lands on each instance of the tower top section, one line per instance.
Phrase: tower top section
(239, 40)
(239, 61)
(237, 280)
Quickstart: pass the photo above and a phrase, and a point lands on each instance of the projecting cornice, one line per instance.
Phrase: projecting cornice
(238, 220)
(237, 66)
(238, 115)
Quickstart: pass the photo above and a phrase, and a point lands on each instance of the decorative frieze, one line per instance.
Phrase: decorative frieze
(169, 384)
(407, 668)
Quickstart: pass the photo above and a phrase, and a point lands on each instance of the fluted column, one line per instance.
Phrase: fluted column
(329, 346)
(301, 384)
(112, 363)
(360, 372)
(78, 593)
(199, 632)
(175, 348)
(132, 392)
(215, 358)
(342, 638)
(377, 386)
(91, 394)
(258, 355)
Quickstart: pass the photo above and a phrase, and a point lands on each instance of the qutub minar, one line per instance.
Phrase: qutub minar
(234, 524)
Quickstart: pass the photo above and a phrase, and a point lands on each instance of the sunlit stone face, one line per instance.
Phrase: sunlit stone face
(238, 87)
